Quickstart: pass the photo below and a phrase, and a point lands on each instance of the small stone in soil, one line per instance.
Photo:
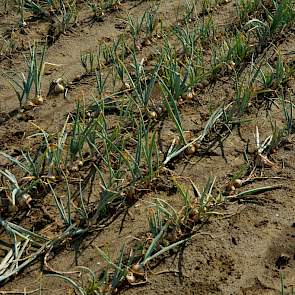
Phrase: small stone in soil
(282, 261)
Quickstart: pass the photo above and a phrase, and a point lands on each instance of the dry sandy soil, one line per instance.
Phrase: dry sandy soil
(242, 249)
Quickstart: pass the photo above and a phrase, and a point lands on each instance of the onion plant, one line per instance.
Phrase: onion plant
(187, 37)
(288, 109)
(171, 107)
(151, 154)
(208, 5)
(172, 76)
(96, 9)
(282, 17)
(14, 187)
(36, 7)
(100, 82)
(282, 287)
(67, 15)
(110, 52)
(135, 26)
(20, 6)
(246, 7)
(191, 11)
(206, 30)
(22, 84)
(141, 83)
(243, 94)
(90, 61)
(151, 22)
(238, 49)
